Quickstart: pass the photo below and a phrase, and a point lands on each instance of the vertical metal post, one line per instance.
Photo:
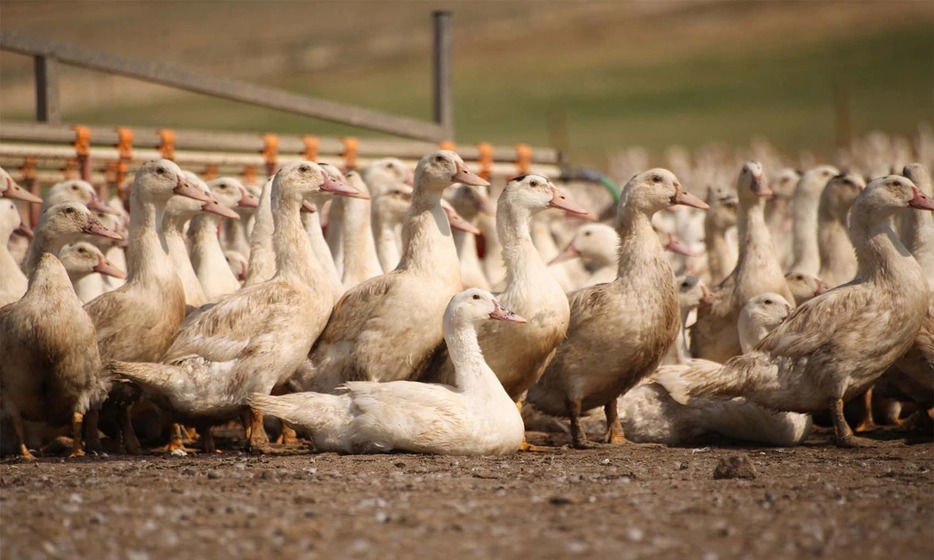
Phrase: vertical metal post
(47, 105)
(443, 98)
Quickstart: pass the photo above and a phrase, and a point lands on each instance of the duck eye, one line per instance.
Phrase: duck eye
(160, 170)
(82, 250)
(534, 183)
(439, 159)
(476, 296)
(304, 169)
(69, 210)
(656, 179)
(74, 187)
(587, 234)
(768, 302)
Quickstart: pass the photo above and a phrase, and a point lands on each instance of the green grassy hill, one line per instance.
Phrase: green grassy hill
(616, 75)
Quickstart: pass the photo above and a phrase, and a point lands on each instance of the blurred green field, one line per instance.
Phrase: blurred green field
(614, 90)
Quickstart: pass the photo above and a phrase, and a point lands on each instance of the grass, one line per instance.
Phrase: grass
(612, 97)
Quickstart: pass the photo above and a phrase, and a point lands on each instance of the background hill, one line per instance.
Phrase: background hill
(589, 77)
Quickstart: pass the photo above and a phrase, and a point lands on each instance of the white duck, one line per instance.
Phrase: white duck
(778, 214)
(722, 248)
(757, 271)
(836, 345)
(837, 257)
(262, 265)
(619, 331)
(692, 293)
(469, 203)
(12, 280)
(519, 356)
(650, 415)
(805, 287)
(475, 416)
(82, 259)
(238, 264)
(61, 224)
(207, 255)
(804, 209)
(137, 321)
(386, 327)
(357, 245)
(597, 245)
(389, 209)
(252, 340)
(178, 212)
(75, 190)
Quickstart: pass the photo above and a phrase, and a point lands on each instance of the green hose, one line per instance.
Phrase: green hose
(610, 186)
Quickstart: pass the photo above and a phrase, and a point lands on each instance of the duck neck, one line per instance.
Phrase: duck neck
(295, 259)
(513, 227)
(428, 245)
(387, 249)
(919, 237)
(360, 260)
(146, 258)
(638, 244)
(173, 237)
(880, 255)
(804, 235)
(837, 258)
(322, 252)
(720, 253)
(205, 244)
(753, 233)
(467, 357)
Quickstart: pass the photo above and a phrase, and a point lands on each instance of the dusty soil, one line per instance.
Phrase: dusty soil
(629, 502)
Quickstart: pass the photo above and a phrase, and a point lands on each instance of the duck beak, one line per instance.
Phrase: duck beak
(920, 200)
(458, 222)
(218, 209)
(561, 200)
(98, 206)
(334, 186)
(106, 268)
(96, 228)
(570, 252)
(468, 177)
(16, 192)
(409, 178)
(706, 296)
(760, 185)
(309, 207)
(821, 287)
(184, 188)
(247, 200)
(677, 246)
(504, 314)
(24, 230)
(687, 199)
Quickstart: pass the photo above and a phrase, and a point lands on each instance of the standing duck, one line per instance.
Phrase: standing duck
(805, 287)
(252, 340)
(597, 246)
(49, 362)
(137, 321)
(757, 271)
(519, 356)
(469, 203)
(837, 258)
(836, 345)
(619, 331)
(721, 249)
(386, 327)
(474, 416)
(12, 280)
(805, 211)
(389, 211)
(82, 259)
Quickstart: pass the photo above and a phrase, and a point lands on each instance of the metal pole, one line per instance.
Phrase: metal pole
(443, 92)
(47, 105)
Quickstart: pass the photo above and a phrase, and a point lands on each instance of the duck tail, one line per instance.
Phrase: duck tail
(738, 377)
(314, 412)
(156, 377)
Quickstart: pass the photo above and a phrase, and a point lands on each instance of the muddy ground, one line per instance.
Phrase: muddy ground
(626, 502)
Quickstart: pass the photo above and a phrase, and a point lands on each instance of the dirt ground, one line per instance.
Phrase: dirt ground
(813, 501)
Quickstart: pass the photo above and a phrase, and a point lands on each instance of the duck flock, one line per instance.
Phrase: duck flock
(398, 309)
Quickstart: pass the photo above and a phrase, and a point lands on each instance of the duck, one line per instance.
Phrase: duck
(207, 255)
(837, 258)
(92, 285)
(604, 356)
(692, 293)
(469, 202)
(12, 280)
(805, 211)
(235, 235)
(238, 264)
(519, 356)
(51, 369)
(649, 414)
(914, 372)
(757, 271)
(778, 214)
(384, 328)
(62, 224)
(262, 264)
(75, 190)
(357, 244)
(722, 249)
(82, 259)
(597, 246)
(178, 212)
(11, 189)
(839, 343)
(389, 209)
(137, 321)
(474, 416)
(384, 174)
(251, 340)
(805, 287)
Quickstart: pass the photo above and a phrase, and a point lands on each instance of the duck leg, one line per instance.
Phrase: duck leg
(129, 443)
(21, 437)
(92, 436)
(77, 449)
(843, 435)
(614, 430)
(868, 422)
(207, 440)
(257, 440)
(525, 445)
(578, 437)
(287, 436)
(176, 443)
